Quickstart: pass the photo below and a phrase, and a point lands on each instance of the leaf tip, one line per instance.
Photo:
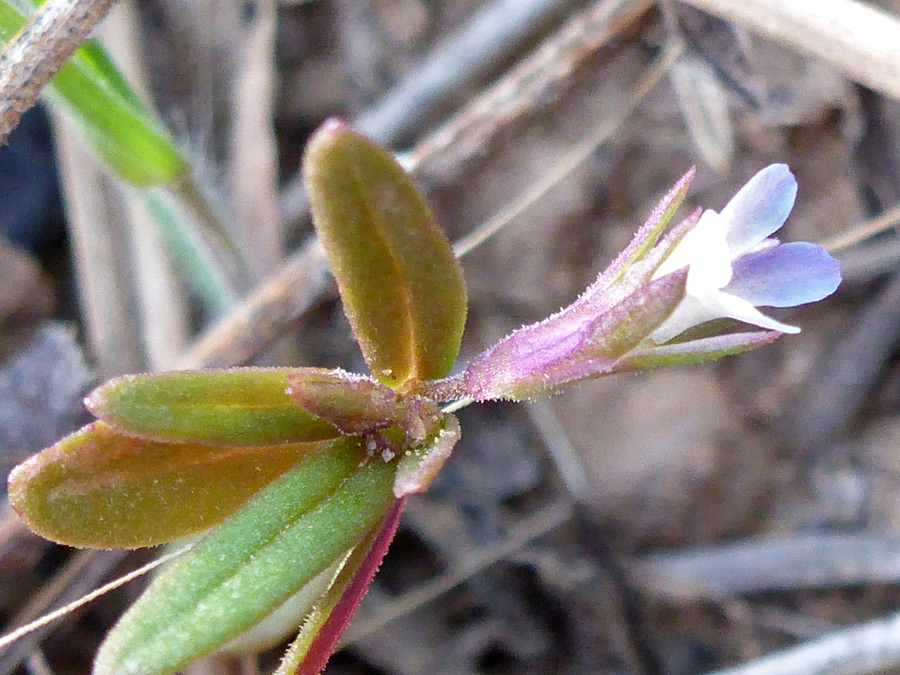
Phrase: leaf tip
(331, 131)
(92, 404)
(333, 125)
(103, 399)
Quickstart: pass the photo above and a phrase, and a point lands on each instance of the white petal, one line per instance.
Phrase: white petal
(689, 313)
(694, 311)
(704, 248)
(758, 209)
(732, 307)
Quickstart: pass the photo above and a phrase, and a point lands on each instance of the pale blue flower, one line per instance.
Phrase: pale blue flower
(709, 266)
(735, 267)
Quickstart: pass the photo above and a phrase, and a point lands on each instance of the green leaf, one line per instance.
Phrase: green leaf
(402, 289)
(254, 561)
(240, 406)
(311, 627)
(126, 134)
(281, 624)
(322, 629)
(100, 488)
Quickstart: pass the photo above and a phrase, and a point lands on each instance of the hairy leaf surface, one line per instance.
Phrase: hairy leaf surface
(254, 561)
(402, 289)
(103, 489)
(240, 406)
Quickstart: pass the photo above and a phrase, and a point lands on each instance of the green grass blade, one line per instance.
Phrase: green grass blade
(120, 129)
(133, 143)
(215, 290)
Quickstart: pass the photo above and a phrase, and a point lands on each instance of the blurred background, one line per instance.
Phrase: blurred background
(674, 522)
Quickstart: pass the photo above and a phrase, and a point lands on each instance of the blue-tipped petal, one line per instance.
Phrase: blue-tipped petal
(759, 208)
(785, 276)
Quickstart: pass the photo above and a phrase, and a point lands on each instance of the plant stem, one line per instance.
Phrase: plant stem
(447, 389)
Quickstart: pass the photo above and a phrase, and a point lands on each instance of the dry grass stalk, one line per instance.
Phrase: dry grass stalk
(34, 56)
(857, 38)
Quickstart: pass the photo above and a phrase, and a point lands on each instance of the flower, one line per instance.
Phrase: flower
(735, 267)
(710, 266)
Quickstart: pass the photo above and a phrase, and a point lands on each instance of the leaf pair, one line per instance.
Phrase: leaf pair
(173, 455)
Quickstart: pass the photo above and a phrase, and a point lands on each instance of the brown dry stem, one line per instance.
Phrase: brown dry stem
(33, 57)
(860, 40)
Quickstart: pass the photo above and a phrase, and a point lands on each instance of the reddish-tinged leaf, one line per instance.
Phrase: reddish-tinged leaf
(402, 289)
(240, 406)
(351, 402)
(323, 628)
(102, 489)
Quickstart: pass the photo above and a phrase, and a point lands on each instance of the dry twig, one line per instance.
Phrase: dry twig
(855, 37)
(457, 64)
(37, 664)
(296, 287)
(77, 578)
(33, 57)
(721, 572)
(546, 520)
(462, 59)
(92, 210)
(867, 649)
(855, 234)
(821, 414)
(160, 290)
(252, 156)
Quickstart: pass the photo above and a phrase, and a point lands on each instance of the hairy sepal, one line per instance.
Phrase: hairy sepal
(422, 461)
(583, 341)
(694, 351)
(648, 234)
